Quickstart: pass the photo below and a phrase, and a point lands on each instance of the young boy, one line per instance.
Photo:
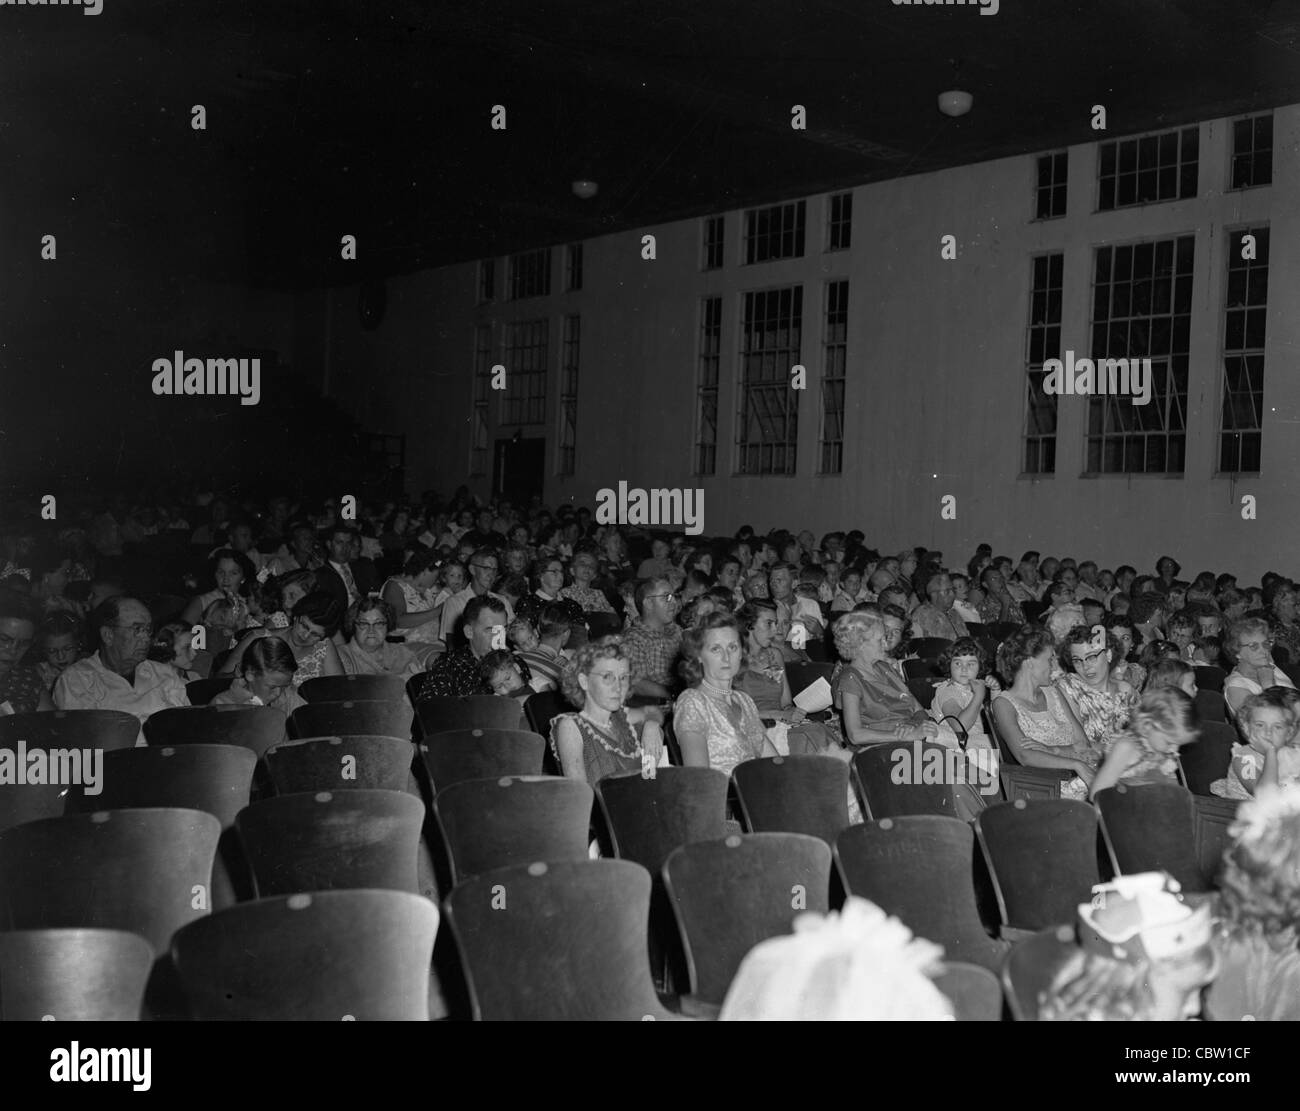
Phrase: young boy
(846, 597)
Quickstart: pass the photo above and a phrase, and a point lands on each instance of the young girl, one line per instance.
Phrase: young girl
(1174, 673)
(1268, 758)
(174, 644)
(502, 674)
(265, 678)
(962, 694)
(1147, 752)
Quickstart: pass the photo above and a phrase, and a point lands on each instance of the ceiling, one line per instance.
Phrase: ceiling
(371, 117)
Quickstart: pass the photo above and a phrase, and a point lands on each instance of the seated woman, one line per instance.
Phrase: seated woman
(1124, 635)
(59, 644)
(265, 678)
(412, 599)
(583, 569)
(1259, 931)
(1102, 703)
(22, 689)
(367, 651)
(604, 737)
(763, 679)
(716, 726)
(234, 578)
(173, 644)
(1147, 752)
(1249, 644)
(314, 619)
(281, 593)
(1034, 719)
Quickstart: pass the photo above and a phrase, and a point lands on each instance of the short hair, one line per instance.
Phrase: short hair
(162, 649)
(1180, 620)
(515, 586)
(1087, 563)
(1024, 644)
(342, 526)
(419, 560)
(964, 646)
(477, 605)
(1086, 604)
(241, 561)
(1244, 627)
(854, 626)
(365, 605)
(320, 608)
(1145, 606)
(1125, 569)
(61, 623)
(486, 553)
(494, 661)
(1119, 621)
(108, 611)
(1168, 672)
(1158, 650)
(1081, 634)
(644, 589)
(1028, 556)
(932, 578)
(552, 621)
(268, 654)
(1269, 699)
(586, 657)
(1058, 588)
(692, 670)
(1278, 586)
(751, 611)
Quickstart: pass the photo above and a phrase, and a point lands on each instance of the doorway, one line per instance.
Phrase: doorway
(519, 470)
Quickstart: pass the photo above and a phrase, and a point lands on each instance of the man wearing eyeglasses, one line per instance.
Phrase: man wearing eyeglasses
(119, 676)
(652, 642)
(483, 570)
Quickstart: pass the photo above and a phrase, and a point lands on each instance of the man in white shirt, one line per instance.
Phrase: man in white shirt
(119, 676)
(483, 570)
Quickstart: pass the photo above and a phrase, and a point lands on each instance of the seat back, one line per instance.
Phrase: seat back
(465, 754)
(322, 956)
(649, 818)
(1152, 828)
(1214, 818)
(331, 840)
(45, 729)
(974, 992)
(874, 770)
(1207, 758)
(1031, 784)
(147, 871)
(213, 778)
(341, 763)
(929, 648)
(513, 820)
(603, 625)
(919, 868)
(252, 727)
(731, 894)
(794, 794)
(442, 715)
(202, 691)
(1043, 859)
(353, 688)
(922, 689)
(800, 676)
(1211, 706)
(340, 719)
(556, 941)
(541, 708)
(922, 667)
(73, 975)
(1210, 678)
(1031, 966)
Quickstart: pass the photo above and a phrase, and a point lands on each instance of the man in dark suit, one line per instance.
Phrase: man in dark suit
(344, 577)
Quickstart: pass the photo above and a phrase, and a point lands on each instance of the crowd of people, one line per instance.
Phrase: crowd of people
(1088, 670)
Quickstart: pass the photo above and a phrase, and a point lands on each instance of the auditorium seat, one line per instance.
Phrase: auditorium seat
(1032, 965)
(464, 754)
(324, 956)
(353, 688)
(801, 676)
(1031, 784)
(1210, 678)
(649, 818)
(73, 975)
(440, 715)
(974, 992)
(106, 729)
(1214, 818)
(341, 763)
(1208, 757)
(1152, 828)
(340, 719)
(202, 691)
(794, 794)
(880, 796)
(253, 727)
(929, 648)
(1211, 706)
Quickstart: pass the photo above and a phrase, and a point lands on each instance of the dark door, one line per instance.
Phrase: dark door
(520, 469)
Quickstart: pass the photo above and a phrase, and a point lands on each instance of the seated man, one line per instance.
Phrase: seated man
(653, 641)
(458, 673)
(119, 676)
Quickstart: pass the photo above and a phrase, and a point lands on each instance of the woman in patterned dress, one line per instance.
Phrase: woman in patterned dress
(1102, 703)
(417, 612)
(315, 618)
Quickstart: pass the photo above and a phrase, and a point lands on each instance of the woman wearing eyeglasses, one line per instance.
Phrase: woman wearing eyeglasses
(1250, 645)
(313, 622)
(1102, 703)
(367, 651)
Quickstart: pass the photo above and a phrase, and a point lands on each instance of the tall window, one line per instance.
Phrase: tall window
(706, 394)
(775, 232)
(835, 346)
(1044, 342)
(487, 280)
(714, 229)
(569, 392)
(529, 274)
(1142, 306)
(478, 453)
(1243, 351)
(1252, 151)
(1151, 168)
(573, 266)
(524, 398)
(839, 222)
(1053, 170)
(769, 408)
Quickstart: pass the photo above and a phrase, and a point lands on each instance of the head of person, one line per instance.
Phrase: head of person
(1028, 567)
(1048, 567)
(1175, 598)
(1124, 578)
(302, 542)
(1167, 568)
(1147, 609)
(1094, 613)
(1177, 674)
(964, 661)
(697, 583)
(696, 610)
(1181, 629)
(656, 601)
(173, 643)
(1266, 720)
(755, 585)
(482, 617)
(1121, 630)
(583, 568)
(601, 672)
(123, 627)
(267, 668)
(960, 587)
(1156, 651)
(1060, 593)
(104, 587)
(1280, 600)
(1165, 717)
(907, 565)
(1106, 579)
(17, 630)
(60, 637)
(512, 588)
(500, 671)
(780, 581)
(758, 618)
(1026, 653)
(940, 592)
(484, 568)
(896, 624)
(292, 588)
(367, 623)
(659, 548)
(1250, 642)
(729, 573)
(1087, 651)
(713, 651)
(851, 583)
(1231, 606)
(315, 617)
(861, 634)
(522, 634)
(1207, 652)
(1088, 572)
(879, 580)
(1260, 882)
(893, 595)
(553, 625)
(339, 544)
(992, 580)
(240, 536)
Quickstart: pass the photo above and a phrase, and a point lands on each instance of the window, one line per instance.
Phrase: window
(529, 274)
(487, 280)
(1252, 151)
(835, 346)
(1152, 168)
(524, 399)
(1053, 169)
(573, 267)
(478, 453)
(714, 229)
(839, 222)
(1044, 342)
(706, 392)
(1243, 352)
(775, 232)
(769, 408)
(1142, 308)
(570, 340)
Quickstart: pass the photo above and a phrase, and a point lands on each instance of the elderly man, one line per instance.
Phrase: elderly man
(652, 641)
(877, 582)
(119, 676)
(780, 585)
(936, 618)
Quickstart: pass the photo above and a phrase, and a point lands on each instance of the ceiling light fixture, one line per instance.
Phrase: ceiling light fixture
(585, 188)
(955, 102)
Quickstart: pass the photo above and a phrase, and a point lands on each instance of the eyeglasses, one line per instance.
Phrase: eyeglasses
(485, 566)
(666, 597)
(1255, 647)
(137, 630)
(371, 625)
(1091, 657)
(8, 642)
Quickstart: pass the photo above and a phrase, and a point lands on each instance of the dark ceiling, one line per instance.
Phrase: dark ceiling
(371, 116)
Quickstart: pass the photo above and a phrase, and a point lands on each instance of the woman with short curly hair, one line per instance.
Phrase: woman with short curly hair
(604, 737)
